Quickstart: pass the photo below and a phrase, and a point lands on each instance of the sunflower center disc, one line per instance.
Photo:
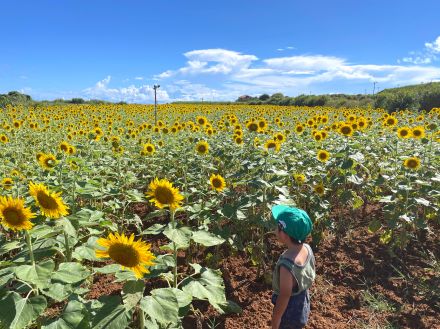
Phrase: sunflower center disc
(164, 195)
(412, 164)
(46, 201)
(12, 217)
(345, 130)
(217, 183)
(124, 254)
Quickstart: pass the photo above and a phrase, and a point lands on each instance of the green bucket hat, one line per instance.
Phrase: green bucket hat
(295, 222)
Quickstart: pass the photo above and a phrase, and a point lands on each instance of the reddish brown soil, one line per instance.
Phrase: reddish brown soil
(103, 284)
(358, 284)
(349, 270)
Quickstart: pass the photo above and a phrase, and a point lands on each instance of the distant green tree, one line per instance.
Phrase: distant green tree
(264, 97)
(276, 98)
(77, 101)
(429, 100)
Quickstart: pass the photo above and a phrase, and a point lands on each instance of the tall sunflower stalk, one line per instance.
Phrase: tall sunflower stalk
(29, 245)
(173, 224)
(260, 242)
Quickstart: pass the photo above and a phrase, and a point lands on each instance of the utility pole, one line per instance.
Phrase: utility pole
(374, 86)
(155, 87)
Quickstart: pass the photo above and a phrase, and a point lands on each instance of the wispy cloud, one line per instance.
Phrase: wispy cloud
(132, 94)
(286, 48)
(434, 46)
(211, 61)
(426, 56)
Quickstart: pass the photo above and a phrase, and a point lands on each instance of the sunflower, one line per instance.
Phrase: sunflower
(319, 189)
(4, 138)
(390, 121)
(202, 147)
(201, 120)
(64, 147)
(17, 124)
(124, 250)
(418, 132)
(14, 215)
(262, 124)
(346, 129)
(163, 194)
(299, 129)
(217, 182)
(404, 132)
(280, 137)
(238, 140)
(7, 183)
(71, 150)
(323, 155)
(238, 132)
(252, 126)
(47, 161)
(317, 136)
(149, 148)
(299, 178)
(412, 163)
(51, 204)
(272, 144)
(362, 123)
(15, 173)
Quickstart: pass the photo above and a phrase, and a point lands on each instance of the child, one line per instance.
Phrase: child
(295, 270)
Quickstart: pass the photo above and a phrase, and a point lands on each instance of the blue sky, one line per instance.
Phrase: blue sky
(215, 50)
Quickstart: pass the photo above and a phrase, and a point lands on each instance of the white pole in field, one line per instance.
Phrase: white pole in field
(155, 87)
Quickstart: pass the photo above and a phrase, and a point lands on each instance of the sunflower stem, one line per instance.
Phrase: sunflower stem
(29, 245)
(31, 254)
(73, 193)
(141, 319)
(260, 241)
(173, 223)
(68, 252)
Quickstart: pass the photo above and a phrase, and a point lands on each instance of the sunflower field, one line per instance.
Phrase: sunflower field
(88, 190)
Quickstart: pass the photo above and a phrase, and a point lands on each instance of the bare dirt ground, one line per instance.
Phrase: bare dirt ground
(360, 283)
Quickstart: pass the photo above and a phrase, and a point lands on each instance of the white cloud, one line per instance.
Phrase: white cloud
(426, 56)
(286, 48)
(139, 78)
(313, 63)
(132, 94)
(417, 60)
(211, 61)
(434, 46)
